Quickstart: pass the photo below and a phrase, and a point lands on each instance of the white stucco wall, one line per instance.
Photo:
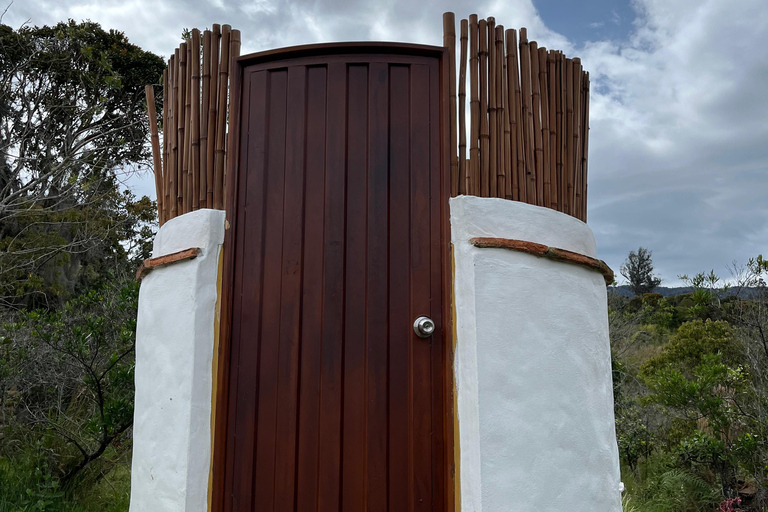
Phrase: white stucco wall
(533, 369)
(174, 369)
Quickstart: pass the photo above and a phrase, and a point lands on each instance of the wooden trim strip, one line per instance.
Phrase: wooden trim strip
(161, 261)
(544, 251)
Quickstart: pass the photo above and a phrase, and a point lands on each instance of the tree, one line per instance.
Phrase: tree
(699, 379)
(637, 269)
(72, 124)
(71, 371)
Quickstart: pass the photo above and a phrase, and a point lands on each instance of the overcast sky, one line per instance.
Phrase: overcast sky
(678, 155)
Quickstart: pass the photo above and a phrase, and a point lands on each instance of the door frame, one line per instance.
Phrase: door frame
(222, 357)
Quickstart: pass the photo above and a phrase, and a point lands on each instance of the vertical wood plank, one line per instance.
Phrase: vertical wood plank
(312, 293)
(291, 288)
(376, 332)
(264, 473)
(400, 461)
(330, 429)
(248, 300)
(355, 392)
(420, 287)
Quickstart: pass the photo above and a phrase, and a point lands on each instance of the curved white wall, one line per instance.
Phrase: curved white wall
(533, 369)
(174, 369)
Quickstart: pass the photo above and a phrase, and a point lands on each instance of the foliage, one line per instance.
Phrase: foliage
(72, 123)
(71, 373)
(73, 126)
(690, 388)
(637, 269)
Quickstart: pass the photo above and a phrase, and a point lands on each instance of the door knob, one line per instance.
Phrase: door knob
(424, 327)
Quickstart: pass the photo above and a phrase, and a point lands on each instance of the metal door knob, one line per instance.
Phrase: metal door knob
(424, 327)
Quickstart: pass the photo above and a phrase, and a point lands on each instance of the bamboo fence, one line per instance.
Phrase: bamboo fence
(189, 167)
(529, 118)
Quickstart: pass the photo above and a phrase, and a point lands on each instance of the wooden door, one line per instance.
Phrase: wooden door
(337, 245)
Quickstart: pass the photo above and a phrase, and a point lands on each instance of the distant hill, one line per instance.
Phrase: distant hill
(625, 291)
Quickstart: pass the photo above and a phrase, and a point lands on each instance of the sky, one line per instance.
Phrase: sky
(678, 157)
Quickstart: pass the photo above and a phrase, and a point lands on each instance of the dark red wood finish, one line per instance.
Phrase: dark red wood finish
(328, 401)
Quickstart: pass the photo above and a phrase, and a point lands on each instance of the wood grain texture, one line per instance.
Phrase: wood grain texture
(339, 244)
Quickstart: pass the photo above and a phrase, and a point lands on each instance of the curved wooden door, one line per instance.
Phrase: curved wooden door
(334, 404)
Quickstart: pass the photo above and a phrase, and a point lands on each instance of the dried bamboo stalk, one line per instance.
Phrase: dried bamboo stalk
(513, 89)
(449, 41)
(194, 166)
(157, 165)
(173, 164)
(528, 135)
(474, 104)
(463, 178)
(484, 138)
(212, 115)
(206, 177)
(569, 177)
(544, 90)
(234, 53)
(585, 150)
(561, 135)
(166, 144)
(576, 135)
(493, 134)
(552, 90)
(218, 181)
(502, 125)
(536, 102)
(187, 169)
(180, 179)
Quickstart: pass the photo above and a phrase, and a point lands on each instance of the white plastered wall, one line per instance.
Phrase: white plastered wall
(532, 366)
(174, 369)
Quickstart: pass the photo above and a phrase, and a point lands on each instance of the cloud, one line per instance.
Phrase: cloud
(679, 137)
(679, 142)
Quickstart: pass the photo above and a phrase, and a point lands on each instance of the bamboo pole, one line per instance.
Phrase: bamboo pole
(166, 140)
(561, 135)
(502, 120)
(234, 53)
(552, 90)
(187, 169)
(536, 102)
(212, 115)
(218, 181)
(449, 41)
(180, 180)
(195, 120)
(570, 192)
(513, 94)
(576, 135)
(206, 178)
(585, 151)
(484, 138)
(544, 90)
(464, 176)
(528, 135)
(173, 65)
(493, 135)
(510, 119)
(474, 104)
(157, 165)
